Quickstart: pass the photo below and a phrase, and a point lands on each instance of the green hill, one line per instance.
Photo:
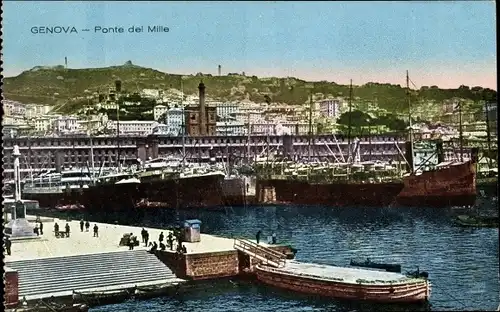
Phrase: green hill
(67, 88)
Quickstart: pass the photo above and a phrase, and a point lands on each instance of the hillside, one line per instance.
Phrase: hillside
(66, 87)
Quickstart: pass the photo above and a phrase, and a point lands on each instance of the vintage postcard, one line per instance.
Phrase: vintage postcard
(249, 156)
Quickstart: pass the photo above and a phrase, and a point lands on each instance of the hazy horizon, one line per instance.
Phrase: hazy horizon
(446, 44)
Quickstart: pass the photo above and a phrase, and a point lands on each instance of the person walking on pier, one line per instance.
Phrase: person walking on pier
(41, 228)
(87, 226)
(36, 231)
(160, 239)
(170, 241)
(81, 225)
(8, 244)
(257, 236)
(56, 229)
(67, 229)
(274, 239)
(146, 238)
(96, 230)
(143, 235)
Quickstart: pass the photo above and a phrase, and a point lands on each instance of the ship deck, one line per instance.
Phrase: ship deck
(342, 274)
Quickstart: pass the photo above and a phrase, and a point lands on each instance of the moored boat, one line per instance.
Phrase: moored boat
(389, 267)
(346, 283)
(42, 306)
(147, 292)
(477, 221)
(101, 297)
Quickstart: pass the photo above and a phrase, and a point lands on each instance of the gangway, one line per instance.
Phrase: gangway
(264, 254)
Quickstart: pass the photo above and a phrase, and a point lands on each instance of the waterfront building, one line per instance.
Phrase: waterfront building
(40, 153)
(201, 120)
(230, 128)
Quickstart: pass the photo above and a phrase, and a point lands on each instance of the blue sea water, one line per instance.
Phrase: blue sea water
(463, 263)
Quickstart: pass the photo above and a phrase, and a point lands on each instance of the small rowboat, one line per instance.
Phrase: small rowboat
(101, 297)
(389, 267)
(147, 292)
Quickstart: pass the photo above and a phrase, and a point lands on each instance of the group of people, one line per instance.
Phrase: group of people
(87, 226)
(171, 237)
(67, 229)
(38, 227)
(59, 233)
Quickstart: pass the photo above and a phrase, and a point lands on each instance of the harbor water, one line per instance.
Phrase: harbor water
(463, 263)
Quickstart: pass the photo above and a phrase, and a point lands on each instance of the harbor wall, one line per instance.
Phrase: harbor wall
(211, 265)
(11, 288)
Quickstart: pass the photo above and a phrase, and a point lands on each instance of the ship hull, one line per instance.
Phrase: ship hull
(452, 186)
(189, 192)
(333, 194)
(51, 200)
(384, 293)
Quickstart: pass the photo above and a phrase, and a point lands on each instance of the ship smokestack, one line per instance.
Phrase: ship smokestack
(220, 67)
(203, 115)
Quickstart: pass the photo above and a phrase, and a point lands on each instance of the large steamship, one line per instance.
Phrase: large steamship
(163, 182)
(366, 184)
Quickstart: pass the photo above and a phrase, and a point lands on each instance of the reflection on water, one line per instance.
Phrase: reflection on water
(463, 263)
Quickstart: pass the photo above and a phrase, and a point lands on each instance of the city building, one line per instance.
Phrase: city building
(175, 118)
(159, 111)
(34, 110)
(201, 120)
(330, 108)
(227, 109)
(63, 124)
(42, 124)
(138, 127)
(230, 128)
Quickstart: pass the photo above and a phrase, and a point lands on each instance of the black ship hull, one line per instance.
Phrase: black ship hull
(53, 200)
(188, 192)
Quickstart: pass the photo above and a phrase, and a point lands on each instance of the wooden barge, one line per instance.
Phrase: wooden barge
(345, 283)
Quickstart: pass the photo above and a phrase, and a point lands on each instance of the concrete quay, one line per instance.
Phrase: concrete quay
(80, 243)
(55, 267)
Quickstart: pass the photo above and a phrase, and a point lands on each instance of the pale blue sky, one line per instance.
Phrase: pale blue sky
(444, 43)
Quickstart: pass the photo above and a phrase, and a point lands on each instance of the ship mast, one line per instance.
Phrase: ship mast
(248, 139)
(118, 126)
(412, 165)
(183, 127)
(460, 135)
(349, 125)
(91, 141)
(488, 135)
(310, 128)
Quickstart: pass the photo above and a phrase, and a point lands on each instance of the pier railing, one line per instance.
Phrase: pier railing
(264, 254)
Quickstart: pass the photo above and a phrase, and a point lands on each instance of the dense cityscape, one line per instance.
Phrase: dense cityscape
(171, 108)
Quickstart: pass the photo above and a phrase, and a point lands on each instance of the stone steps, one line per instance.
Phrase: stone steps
(54, 275)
